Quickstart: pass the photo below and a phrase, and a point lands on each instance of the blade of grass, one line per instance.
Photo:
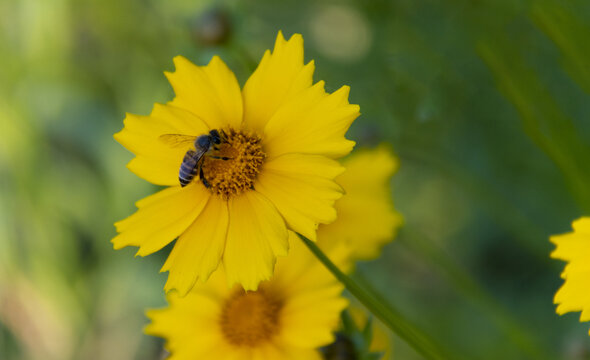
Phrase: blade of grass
(543, 121)
(569, 33)
(391, 317)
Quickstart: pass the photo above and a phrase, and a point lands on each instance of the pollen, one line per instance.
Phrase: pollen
(232, 167)
(250, 318)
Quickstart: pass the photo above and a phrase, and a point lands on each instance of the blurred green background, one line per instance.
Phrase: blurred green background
(486, 102)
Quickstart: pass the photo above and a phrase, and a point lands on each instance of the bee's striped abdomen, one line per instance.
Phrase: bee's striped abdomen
(188, 168)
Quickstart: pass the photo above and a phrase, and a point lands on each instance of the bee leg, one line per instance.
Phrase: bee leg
(220, 157)
(202, 176)
(222, 135)
(215, 137)
(219, 138)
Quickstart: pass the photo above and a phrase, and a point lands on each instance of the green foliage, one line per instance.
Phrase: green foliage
(361, 337)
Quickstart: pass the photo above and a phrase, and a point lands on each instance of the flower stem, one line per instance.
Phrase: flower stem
(384, 312)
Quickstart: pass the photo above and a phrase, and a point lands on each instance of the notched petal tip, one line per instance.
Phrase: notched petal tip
(181, 64)
(343, 91)
(296, 37)
(180, 60)
(116, 244)
(320, 86)
(215, 60)
(280, 38)
(158, 108)
(251, 283)
(119, 243)
(117, 136)
(130, 166)
(143, 252)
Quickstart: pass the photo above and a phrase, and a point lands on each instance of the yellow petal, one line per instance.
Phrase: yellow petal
(313, 302)
(302, 189)
(310, 318)
(366, 218)
(571, 246)
(573, 295)
(311, 305)
(301, 271)
(574, 247)
(312, 122)
(156, 161)
(279, 76)
(297, 353)
(198, 250)
(582, 225)
(190, 325)
(160, 218)
(256, 236)
(267, 351)
(210, 92)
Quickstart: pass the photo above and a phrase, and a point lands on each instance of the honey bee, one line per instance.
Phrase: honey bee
(192, 163)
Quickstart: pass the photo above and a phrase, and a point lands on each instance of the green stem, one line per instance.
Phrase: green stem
(384, 312)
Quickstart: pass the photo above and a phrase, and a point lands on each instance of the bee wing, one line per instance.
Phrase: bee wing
(198, 155)
(177, 140)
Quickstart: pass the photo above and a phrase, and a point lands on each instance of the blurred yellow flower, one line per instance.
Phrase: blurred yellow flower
(366, 218)
(288, 317)
(265, 159)
(574, 247)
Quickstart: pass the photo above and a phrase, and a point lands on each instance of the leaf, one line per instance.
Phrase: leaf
(542, 119)
(569, 33)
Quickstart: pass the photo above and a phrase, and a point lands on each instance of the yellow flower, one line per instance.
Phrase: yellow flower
(288, 317)
(366, 218)
(268, 166)
(574, 247)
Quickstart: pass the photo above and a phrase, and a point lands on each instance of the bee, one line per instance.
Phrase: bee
(192, 163)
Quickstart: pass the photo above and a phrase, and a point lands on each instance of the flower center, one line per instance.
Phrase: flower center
(250, 318)
(232, 168)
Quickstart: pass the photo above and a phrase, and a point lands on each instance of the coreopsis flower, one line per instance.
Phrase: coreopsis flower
(240, 167)
(366, 217)
(288, 317)
(574, 247)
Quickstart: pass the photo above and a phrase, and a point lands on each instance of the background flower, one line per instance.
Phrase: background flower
(366, 218)
(288, 317)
